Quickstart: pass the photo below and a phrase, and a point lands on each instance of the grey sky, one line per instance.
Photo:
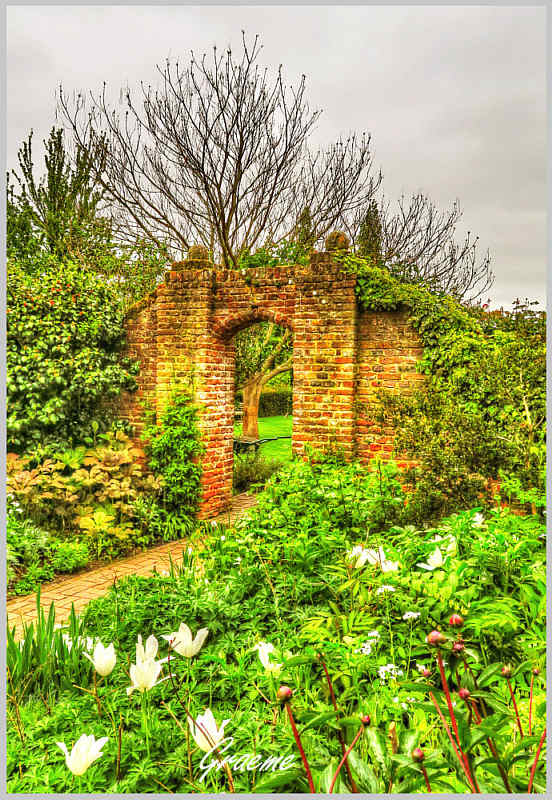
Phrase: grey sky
(454, 97)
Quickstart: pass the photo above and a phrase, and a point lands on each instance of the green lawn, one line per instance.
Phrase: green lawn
(274, 426)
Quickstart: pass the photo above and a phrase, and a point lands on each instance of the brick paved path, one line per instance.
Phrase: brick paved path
(80, 589)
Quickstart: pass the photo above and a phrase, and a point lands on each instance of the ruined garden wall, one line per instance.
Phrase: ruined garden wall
(341, 356)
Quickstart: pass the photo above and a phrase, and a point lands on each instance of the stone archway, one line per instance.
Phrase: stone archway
(341, 355)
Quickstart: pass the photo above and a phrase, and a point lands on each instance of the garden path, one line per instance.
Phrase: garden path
(80, 589)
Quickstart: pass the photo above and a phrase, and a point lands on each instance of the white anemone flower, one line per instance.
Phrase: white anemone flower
(144, 676)
(207, 735)
(361, 556)
(83, 753)
(449, 539)
(265, 649)
(103, 659)
(183, 642)
(478, 520)
(148, 652)
(435, 561)
(385, 588)
(358, 555)
(411, 615)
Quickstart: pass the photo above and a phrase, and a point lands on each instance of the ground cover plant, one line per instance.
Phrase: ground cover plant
(422, 648)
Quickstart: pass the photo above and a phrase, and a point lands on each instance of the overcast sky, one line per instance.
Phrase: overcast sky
(454, 97)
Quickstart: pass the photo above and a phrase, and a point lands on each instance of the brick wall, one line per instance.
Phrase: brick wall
(341, 356)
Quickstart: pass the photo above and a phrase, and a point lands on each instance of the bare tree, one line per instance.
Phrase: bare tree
(417, 243)
(219, 155)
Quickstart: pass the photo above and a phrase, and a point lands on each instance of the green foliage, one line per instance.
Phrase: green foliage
(64, 340)
(174, 449)
(275, 401)
(70, 556)
(368, 242)
(285, 575)
(252, 470)
(275, 255)
(87, 496)
(484, 411)
(59, 213)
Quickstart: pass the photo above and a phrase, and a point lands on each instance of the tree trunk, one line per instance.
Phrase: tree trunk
(251, 395)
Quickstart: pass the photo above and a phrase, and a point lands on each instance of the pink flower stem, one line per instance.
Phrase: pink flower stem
(453, 718)
(345, 756)
(449, 734)
(427, 783)
(531, 704)
(300, 747)
(492, 748)
(352, 784)
(534, 767)
(515, 706)
(447, 695)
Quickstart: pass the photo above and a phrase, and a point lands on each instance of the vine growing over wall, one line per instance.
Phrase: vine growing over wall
(483, 410)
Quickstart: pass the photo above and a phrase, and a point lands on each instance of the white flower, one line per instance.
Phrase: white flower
(478, 520)
(373, 635)
(149, 652)
(183, 643)
(420, 667)
(205, 731)
(144, 676)
(411, 615)
(389, 670)
(449, 539)
(103, 659)
(385, 588)
(434, 561)
(358, 555)
(378, 558)
(366, 648)
(265, 649)
(83, 753)
(223, 538)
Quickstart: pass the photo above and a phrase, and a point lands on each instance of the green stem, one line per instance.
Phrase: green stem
(145, 721)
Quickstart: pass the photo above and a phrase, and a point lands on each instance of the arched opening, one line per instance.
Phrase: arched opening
(263, 402)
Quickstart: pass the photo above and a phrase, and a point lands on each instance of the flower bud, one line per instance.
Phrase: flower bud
(435, 638)
(506, 671)
(426, 672)
(284, 694)
(456, 621)
(536, 671)
(365, 720)
(457, 647)
(464, 693)
(418, 754)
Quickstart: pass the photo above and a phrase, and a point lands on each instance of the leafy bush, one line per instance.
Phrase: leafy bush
(486, 399)
(70, 556)
(173, 446)
(274, 401)
(64, 365)
(252, 468)
(88, 494)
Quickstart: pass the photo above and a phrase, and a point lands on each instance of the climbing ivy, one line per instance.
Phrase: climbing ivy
(174, 447)
(484, 408)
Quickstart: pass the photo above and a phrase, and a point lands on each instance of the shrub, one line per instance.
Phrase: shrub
(274, 401)
(487, 377)
(173, 446)
(86, 493)
(69, 556)
(64, 340)
(252, 469)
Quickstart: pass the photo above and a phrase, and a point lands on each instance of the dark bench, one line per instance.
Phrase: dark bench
(245, 443)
